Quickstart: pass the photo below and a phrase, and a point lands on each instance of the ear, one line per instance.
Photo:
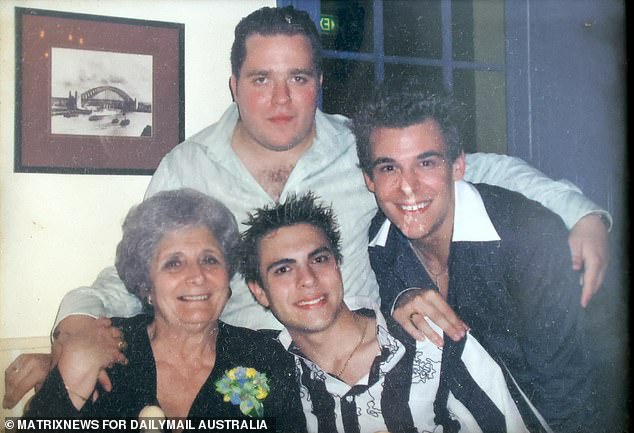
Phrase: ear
(259, 293)
(458, 167)
(233, 85)
(369, 183)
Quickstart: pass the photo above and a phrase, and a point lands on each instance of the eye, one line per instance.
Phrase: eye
(300, 79)
(282, 270)
(259, 80)
(209, 260)
(322, 259)
(431, 162)
(172, 265)
(386, 168)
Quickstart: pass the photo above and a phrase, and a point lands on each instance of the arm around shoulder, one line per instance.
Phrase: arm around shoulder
(561, 197)
(107, 297)
(52, 400)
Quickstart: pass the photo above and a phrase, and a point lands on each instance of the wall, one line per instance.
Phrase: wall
(58, 231)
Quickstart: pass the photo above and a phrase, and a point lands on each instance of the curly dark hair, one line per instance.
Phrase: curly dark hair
(295, 210)
(148, 222)
(404, 105)
(269, 21)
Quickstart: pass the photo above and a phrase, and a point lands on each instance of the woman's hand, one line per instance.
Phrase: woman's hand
(83, 356)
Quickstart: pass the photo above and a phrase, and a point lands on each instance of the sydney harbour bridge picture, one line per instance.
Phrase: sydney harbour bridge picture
(101, 93)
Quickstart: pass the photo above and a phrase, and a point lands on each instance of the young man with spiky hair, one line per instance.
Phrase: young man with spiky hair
(359, 372)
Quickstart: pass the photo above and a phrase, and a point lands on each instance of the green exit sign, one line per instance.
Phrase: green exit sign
(327, 23)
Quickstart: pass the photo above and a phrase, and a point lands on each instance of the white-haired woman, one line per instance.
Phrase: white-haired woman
(177, 255)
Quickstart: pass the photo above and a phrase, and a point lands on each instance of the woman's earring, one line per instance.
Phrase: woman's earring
(149, 299)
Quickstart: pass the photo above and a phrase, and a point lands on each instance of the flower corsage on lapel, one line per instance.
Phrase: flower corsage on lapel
(245, 387)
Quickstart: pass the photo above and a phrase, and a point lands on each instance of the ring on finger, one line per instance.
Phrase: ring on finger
(122, 345)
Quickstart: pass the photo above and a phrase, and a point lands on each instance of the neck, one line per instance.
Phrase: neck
(341, 347)
(434, 261)
(248, 149)
(185, 341)
(270, 168)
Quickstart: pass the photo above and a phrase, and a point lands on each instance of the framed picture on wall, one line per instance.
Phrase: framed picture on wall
(96, 94)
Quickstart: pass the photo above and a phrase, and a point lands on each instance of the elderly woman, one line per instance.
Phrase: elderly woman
(176, 255)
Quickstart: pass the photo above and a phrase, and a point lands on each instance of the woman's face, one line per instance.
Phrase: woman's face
(189, 277)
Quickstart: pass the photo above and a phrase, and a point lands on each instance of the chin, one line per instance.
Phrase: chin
(282, 145)
(313, 327)
(198, 319)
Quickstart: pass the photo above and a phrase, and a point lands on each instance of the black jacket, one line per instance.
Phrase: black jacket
(134, 385)
(519, 295)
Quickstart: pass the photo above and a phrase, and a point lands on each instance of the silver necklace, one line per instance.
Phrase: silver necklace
(435, 275)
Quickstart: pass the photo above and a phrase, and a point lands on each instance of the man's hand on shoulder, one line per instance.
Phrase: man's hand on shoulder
(415, 305)
(83, 352)
(589, 247)
(86, 328)
(27, 371)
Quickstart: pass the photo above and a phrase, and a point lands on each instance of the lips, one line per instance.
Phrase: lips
(312, 303)
(193, 298)
(415, 207)
(281, 119)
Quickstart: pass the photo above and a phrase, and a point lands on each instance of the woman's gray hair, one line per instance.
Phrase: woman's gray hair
(148, 222)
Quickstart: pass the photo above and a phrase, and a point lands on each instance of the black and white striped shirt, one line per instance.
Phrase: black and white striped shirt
(412, 387)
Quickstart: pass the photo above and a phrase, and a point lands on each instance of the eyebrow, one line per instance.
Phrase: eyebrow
(304, 71)
(424, 155)
(320, 250)
(382, 160)
(297, 71)
(258, 73)
(279, 262)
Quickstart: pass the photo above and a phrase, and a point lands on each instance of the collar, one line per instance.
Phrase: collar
(389, 344)
(471, 220)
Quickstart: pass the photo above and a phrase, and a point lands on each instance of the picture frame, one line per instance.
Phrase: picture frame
(96, 94)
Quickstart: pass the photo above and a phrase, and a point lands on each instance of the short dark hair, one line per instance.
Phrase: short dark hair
(295, 210)
(271, 22)
(148, 222)
(403, 105)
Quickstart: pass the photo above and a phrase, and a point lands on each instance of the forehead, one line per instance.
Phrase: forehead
(398, 143)
(188, 236)
(267, 52)
(292, 241)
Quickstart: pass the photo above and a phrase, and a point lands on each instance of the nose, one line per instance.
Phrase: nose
(306, 276)
(281, 93)
(195, 275)
(408, 182)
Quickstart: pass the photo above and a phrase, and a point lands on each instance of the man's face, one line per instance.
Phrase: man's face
(412, 180)
(301, 279)
(276, 92)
